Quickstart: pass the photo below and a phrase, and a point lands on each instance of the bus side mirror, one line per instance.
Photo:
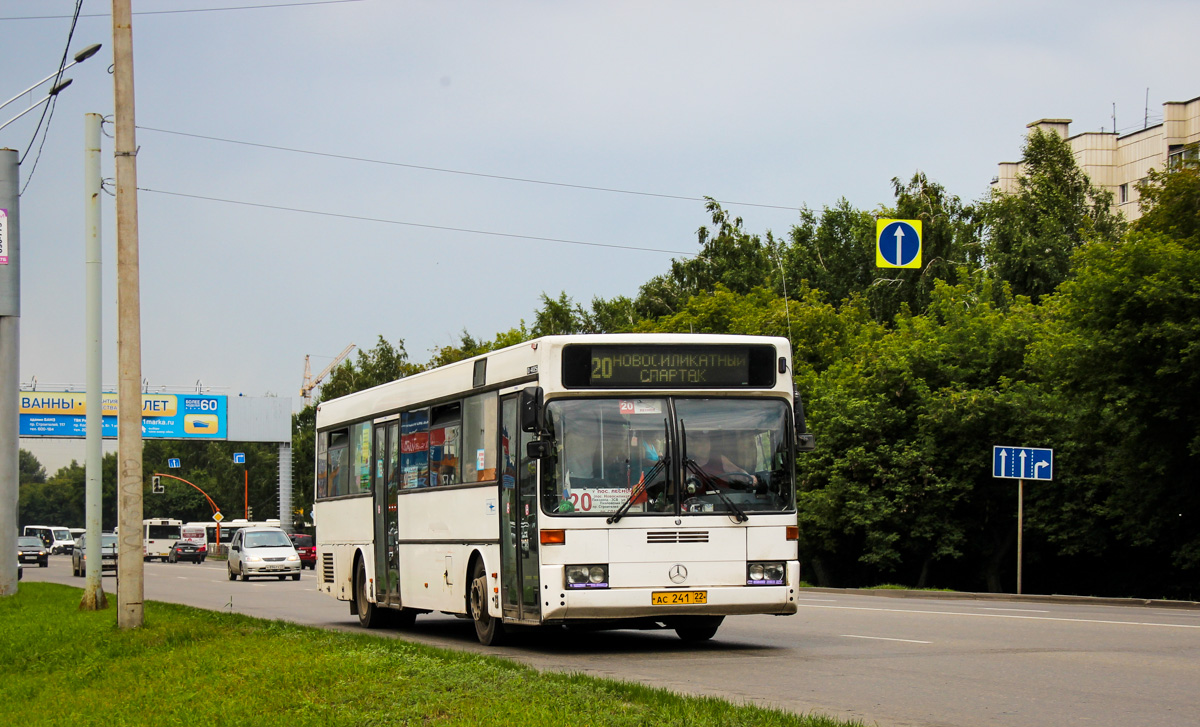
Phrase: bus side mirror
(539, 449)
(530, 405)
(805, 442)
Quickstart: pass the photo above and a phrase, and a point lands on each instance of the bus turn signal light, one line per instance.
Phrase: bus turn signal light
(554, 537)
(793, 532)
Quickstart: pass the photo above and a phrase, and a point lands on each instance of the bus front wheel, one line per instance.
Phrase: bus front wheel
(488, 630)
(701, 628)
(369, 614)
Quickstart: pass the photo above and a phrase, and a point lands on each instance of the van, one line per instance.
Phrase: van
(195, 534)
(58, 540)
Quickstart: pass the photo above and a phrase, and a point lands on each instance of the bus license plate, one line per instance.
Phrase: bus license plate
(672, 598)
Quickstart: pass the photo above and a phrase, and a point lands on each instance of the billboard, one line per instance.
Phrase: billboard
(164, 416)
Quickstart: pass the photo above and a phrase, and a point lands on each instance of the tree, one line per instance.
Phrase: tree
(1031, 234)
(1170, 203)
(29, 468)
(833, 253)
(728, 256)
(379, 365)
(1122, 344)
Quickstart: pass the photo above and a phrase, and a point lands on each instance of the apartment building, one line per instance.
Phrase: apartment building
(1117, 161)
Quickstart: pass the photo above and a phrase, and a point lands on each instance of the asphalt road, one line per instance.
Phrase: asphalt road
(913, 661)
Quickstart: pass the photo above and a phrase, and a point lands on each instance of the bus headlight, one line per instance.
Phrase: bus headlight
(587, 576)
(765, 574)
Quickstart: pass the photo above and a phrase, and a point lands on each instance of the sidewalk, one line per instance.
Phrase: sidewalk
(1023, 598)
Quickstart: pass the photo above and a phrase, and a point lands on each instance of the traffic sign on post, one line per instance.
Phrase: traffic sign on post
(898, 243)
(1023, 463)
(239, 458)
(173, 463)
(218, 516)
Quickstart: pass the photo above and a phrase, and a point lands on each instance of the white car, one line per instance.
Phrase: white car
(262, 551)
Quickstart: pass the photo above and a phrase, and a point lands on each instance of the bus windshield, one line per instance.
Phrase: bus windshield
(627, 457)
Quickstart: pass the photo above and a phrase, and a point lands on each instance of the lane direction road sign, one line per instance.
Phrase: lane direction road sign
(1023, 463)
(173, 463)
(898, 243)
(239, 458)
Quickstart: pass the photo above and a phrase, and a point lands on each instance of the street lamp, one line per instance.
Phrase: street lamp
(10, 329)
(54, 91)
(80, 57)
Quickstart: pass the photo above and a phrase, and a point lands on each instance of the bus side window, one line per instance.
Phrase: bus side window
(479, 453)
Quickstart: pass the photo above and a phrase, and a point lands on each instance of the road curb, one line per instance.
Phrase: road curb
(1012, 597)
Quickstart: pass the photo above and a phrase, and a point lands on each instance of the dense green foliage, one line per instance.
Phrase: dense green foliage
(187, 666)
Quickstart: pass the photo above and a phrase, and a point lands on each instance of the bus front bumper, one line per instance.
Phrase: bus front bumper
(608, 603)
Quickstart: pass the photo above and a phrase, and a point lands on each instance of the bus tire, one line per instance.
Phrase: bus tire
(490, 631)
(701, 629)
(370, 615)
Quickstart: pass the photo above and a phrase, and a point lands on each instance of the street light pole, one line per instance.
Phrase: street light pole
(130, 567)
(10, 358)
(93, 593)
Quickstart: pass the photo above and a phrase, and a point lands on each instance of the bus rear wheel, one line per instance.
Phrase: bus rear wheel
(488, 630)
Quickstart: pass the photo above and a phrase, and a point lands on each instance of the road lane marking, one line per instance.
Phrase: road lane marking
(881, 638)
(819, 600)
(1007, 615)
(1017, 610)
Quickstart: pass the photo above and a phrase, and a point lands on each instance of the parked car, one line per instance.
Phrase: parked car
(31, 549)
(56, 539)
(262, 551)
(187, 550)
(306, 548)
(108, 555)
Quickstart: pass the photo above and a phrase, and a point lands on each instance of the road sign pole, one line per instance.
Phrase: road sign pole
(1020, 530)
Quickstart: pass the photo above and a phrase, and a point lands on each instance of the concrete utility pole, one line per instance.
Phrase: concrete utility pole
(130, 567)
(93, 593)
(10, 359)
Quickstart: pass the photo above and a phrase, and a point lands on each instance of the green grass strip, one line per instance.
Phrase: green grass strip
(187, 666)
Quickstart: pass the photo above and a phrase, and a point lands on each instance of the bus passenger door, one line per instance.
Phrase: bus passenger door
(519, 580)
(509, 580)
(385, 486)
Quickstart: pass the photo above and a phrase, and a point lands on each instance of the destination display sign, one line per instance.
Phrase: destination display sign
(668, 367)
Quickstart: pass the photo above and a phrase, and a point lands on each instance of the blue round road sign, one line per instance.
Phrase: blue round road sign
(899, 243)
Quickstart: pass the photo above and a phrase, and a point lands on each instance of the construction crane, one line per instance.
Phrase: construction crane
(311, 382)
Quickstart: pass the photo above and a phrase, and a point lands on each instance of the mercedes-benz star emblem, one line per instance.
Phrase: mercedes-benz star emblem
(678, 574)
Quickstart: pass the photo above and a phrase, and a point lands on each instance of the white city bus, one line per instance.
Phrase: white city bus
(599, 481)
(158, 535)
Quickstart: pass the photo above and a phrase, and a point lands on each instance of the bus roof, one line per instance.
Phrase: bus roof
(511, 366)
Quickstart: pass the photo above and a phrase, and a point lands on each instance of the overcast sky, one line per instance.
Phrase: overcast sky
(774, 103)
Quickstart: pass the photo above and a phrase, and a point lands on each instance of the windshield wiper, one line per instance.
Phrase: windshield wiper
(639, 491)
(713, 489)
(647, 478)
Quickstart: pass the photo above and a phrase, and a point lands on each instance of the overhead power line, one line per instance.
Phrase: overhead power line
(414, 224)
(443, 170)
(189, 10)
